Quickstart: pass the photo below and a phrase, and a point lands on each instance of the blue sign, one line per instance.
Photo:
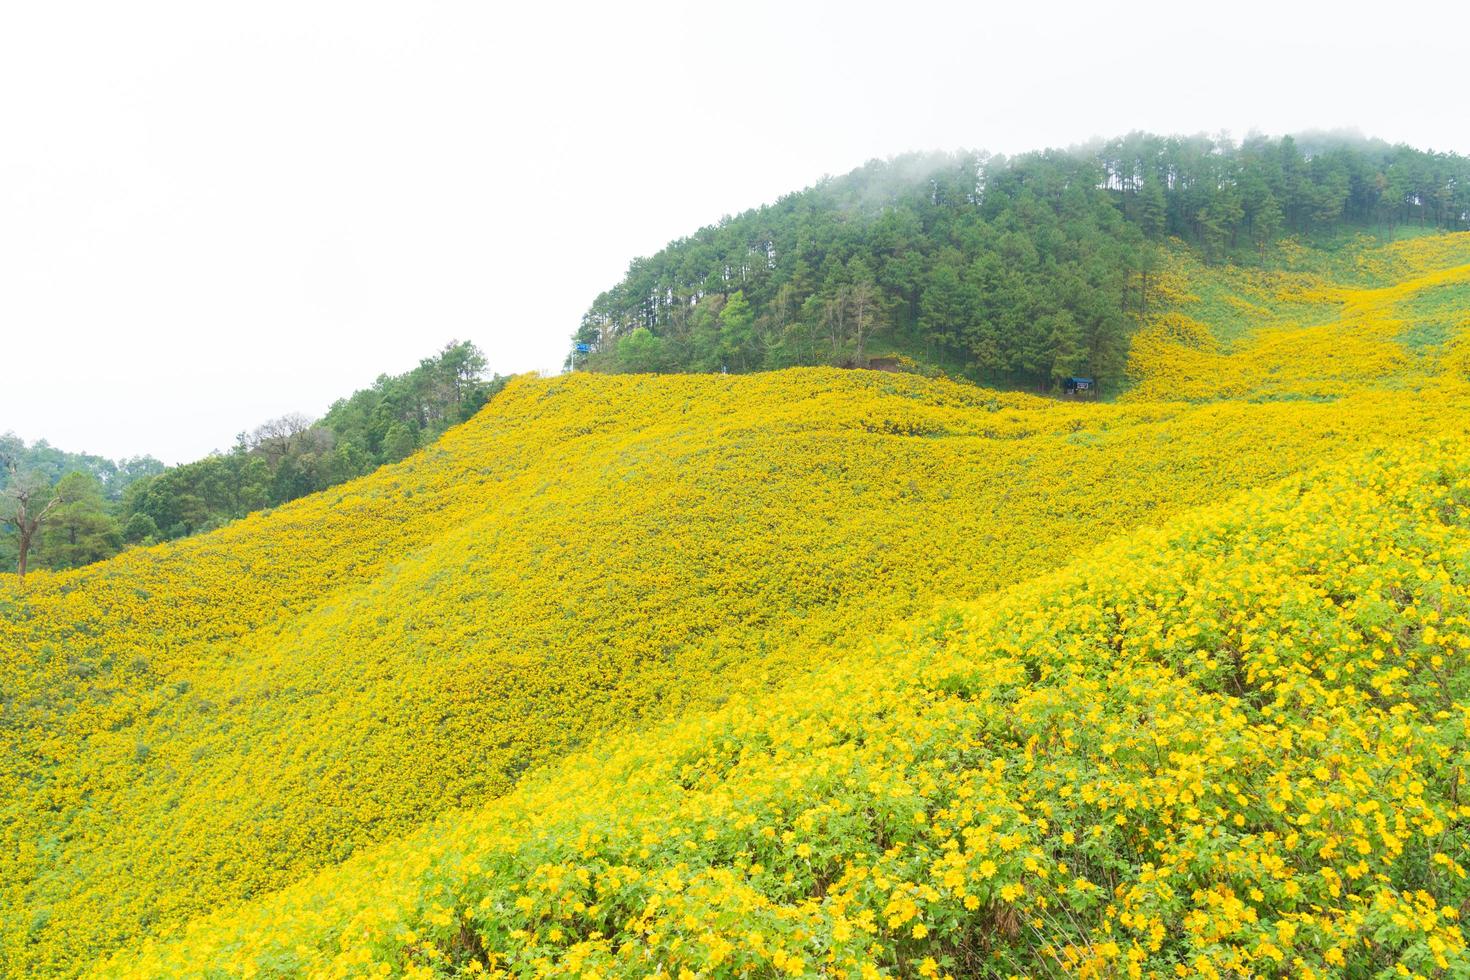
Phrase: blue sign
(584, 348)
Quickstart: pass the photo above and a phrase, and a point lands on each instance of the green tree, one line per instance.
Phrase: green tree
(1153, 209)
(977, 257)
(1220, 220)
(26, 504)
(81, 530)
(1064, 345)
(640, 352)
(400, 442)
(946, 306)
(704, 334)
(140, 529)
(442, 391)
(737, 332)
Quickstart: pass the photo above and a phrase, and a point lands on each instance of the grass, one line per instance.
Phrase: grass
(1434, 316)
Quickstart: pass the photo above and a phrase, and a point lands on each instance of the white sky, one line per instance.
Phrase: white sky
(212, 214)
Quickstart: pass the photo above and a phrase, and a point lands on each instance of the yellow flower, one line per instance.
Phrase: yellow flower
(355, 719)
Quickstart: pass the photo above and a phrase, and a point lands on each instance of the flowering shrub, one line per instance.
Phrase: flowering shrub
(1308, 336)
(186, 728)
(1231, 747)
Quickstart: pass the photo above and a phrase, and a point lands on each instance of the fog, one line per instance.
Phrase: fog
(215, 214)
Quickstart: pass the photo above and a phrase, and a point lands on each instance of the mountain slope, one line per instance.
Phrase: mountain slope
(1368, 316)
(1017, 271)
(1230, 747)
(191, 725)
(194, 723)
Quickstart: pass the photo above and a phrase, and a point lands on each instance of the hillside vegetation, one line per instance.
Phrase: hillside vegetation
(1017, 271)
(231, 710)
(110, 505)
(663, 614)
(87, 527)
(1229, 748)
(1327, 324)
(292, 456)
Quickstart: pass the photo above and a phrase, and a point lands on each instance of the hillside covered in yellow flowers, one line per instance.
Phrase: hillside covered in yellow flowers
(804, 672)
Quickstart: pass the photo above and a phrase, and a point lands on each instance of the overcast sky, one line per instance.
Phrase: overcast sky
(212, 214)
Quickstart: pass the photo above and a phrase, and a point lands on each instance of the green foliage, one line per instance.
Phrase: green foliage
(737, 337)
(138, 501)
(83, 529)
(1023, 271)
(86, 528)
(1436, 315)
(140, 529)
(398, 414)
(641, 352)
(292, 456)
(114, 476)
(202, 495)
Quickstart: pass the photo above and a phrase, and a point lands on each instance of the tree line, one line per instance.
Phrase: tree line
(61, 510)
(84, 494)
(1023, 271)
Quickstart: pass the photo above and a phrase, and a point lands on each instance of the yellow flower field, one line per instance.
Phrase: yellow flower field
(1325, 330)
(1231, 747)
(615, 678)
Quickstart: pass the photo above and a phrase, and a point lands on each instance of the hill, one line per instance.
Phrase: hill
(292, 456)
(1019, 272)
(111, 505)
(193, 723)
(1327, 323)
(1230, 747)
(191, 726)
